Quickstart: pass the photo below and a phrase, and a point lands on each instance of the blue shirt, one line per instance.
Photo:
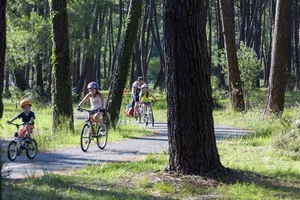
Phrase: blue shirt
(26, 118)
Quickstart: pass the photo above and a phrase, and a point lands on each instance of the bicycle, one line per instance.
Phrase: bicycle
(149, 118)
(18, 144)
(92, 130)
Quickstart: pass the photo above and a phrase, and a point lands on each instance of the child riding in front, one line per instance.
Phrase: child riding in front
(145, 95)
(27, 116)
(97, 102)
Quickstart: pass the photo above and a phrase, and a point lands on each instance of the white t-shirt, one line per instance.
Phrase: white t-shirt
(137, 87)
(96, 102)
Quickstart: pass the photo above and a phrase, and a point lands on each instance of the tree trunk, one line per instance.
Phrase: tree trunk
(243, 21)
(7, 92)
(2, 61)
(160, 80)
(114, 100)
(234, 80)
(62, 84)
(39, 75)
(20, 80)
(277, 81)
(192, 143)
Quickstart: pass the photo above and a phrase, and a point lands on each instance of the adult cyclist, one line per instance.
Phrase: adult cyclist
(135, 90)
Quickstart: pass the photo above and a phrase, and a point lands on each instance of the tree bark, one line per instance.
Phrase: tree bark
(192, 143)
(234, 80)
(2, 61)
(114, 100)
(277, 81)
(39, 75)
(62, 84)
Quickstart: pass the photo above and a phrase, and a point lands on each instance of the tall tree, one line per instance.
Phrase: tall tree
(62, 84)
(192, 143)
(2, 50)
(2, 64)
(122, 68)
(277, 80)
(234, 79)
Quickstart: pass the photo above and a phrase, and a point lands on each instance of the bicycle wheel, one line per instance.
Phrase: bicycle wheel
(151, 118)
(85, 137)
(102, 138)
(31, 148)
(12, 150)
(146, 120)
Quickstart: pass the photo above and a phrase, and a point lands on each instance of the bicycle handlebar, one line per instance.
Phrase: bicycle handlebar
(92, 111)
(17, 125)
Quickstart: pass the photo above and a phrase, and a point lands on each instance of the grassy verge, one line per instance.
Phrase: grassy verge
(260, 172)
(265, 165)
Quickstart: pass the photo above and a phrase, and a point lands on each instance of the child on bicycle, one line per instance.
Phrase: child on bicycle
(145, 95)
(97, 101)
(27, 116)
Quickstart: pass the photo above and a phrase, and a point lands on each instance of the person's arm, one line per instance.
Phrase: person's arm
(152, 95)
(14, 118)
(85, 99)
(133, 89)
(140, 96)
(32, 118)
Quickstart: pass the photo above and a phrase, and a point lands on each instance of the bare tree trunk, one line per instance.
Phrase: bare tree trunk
(234, 80)
(2, 61)
(277, 81)
(39, 75)
(160, 81)
(120, 73)
(62, 84)
(20, 80)
(192, 143)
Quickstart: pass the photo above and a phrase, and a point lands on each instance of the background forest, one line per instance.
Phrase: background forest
(99, 36)
(95, 31)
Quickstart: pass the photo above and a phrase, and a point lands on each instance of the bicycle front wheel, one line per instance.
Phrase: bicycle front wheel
(102, 138)
(31, 149)
(151, 118)
(85, 137)
(12, 150)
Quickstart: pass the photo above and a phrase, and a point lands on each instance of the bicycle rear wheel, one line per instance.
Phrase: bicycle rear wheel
(151, 118)
(85, 137)
(12, 150)
(31, 148)
(102, 138)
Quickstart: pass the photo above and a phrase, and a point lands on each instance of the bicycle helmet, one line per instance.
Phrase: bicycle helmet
(93, 85)
(25, 102)
(144, 86)
(140, 78)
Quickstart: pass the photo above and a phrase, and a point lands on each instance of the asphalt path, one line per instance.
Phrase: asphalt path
(122, 151)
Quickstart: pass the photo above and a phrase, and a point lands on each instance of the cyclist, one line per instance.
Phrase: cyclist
(135, 90)
(27, 116)
(97, 102)
(145, 95)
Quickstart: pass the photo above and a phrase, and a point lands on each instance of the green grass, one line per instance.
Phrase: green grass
(265, 165)
(64, 138)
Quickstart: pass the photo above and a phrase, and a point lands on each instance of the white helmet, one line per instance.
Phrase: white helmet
(144, 86)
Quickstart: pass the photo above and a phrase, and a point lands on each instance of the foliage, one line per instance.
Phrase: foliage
(249, 66)
(154, 67)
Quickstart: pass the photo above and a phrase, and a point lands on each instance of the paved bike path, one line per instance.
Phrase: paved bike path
(121, 151)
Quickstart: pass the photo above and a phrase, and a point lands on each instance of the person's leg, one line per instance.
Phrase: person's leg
(29, 129)
(144, 109)
(97, 118)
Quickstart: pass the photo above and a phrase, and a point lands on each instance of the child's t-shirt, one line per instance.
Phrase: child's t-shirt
(144, 97)
(26, 118)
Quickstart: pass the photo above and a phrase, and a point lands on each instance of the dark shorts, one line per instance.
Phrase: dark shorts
(136, 98)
